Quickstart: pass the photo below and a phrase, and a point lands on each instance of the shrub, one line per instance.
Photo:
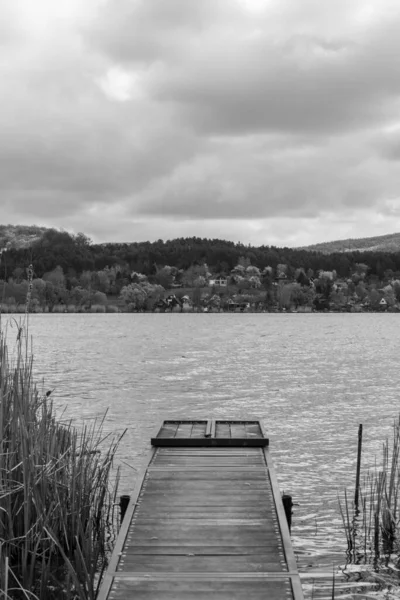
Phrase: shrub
(58, 308)
(36, 309)
(97, 308)
(100, 298)
(111, 308)
(20, 309)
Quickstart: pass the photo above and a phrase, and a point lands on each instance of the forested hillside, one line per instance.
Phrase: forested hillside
(381, 243)
(20, 236)
(71, 274)
(76, 254)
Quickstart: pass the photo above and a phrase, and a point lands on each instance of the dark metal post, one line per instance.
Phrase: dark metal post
(287, 505)
(360, 431)
(123, 505)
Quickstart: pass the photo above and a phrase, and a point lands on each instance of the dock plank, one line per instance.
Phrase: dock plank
(126, 589)
(200, 563)
(205, 550)
(207, 521)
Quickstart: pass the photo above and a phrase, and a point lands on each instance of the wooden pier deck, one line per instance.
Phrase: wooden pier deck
(205, 520)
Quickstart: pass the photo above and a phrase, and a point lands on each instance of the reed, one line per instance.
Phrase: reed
(56, 496)
(372, 527)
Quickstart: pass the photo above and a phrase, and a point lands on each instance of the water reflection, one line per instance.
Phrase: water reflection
(311, 378)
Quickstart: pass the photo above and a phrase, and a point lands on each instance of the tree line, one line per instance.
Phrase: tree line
(76, 254)
(70, 269)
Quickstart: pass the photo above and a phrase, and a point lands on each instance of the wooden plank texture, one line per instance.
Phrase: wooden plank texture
(207, 522)
(210, 432)
(200, 589)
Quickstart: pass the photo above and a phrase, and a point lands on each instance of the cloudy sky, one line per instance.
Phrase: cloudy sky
(260, 121)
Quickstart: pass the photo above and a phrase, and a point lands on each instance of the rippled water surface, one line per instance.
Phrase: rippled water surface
(311, 378)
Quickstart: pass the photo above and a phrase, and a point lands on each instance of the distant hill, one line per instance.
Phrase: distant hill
(24, 236)
(380, 243)
(20, 236)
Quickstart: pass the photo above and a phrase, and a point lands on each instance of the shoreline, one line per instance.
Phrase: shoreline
(23, 311)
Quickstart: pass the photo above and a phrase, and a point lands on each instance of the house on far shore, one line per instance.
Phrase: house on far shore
(383, 304)
(237, 306)
(168, 304)
(221, 281)
(187, 305)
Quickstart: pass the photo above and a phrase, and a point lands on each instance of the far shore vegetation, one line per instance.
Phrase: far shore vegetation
(58, 487)
(72, 275)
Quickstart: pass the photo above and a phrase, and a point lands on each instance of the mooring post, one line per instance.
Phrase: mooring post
(123, 505)
(360, 431)
(288, 505)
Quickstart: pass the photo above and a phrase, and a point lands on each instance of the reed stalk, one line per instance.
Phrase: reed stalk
(372, 528)
(56, 496)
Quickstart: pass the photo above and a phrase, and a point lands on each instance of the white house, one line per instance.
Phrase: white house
(383, 303)
(221, 281)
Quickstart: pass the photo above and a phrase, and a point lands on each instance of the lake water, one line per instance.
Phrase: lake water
(312, 378)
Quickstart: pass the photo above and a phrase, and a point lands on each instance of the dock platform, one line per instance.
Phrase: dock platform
(205, 520)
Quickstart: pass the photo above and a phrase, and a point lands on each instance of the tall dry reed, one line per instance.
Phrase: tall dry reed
(372, 527)
(56, 499)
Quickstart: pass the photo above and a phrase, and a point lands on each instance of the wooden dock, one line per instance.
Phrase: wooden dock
(205, 520)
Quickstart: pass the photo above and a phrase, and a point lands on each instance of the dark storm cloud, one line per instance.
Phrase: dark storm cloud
(229, 73)
(184, 115)
(146, 32)
(55, 138)
(261, 178)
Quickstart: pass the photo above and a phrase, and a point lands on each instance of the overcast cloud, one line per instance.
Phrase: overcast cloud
(260, 121)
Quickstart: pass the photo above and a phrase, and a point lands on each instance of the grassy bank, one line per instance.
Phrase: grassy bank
(56, 500)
